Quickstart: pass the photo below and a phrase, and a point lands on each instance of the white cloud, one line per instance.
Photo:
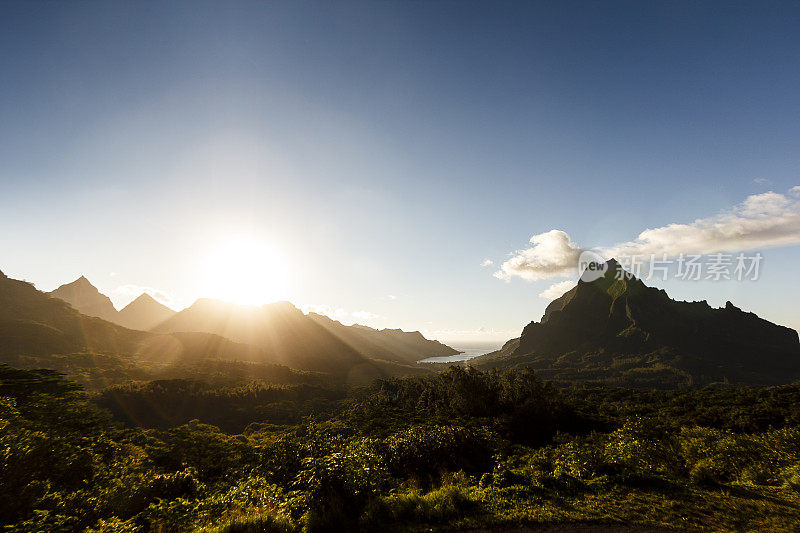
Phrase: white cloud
(761, 181)
(344, 316)
(553, 254)
(125, 294)
(487, 262)
(761, 221)
(557, 289)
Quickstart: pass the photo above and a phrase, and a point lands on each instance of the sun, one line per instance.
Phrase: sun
(245, 271)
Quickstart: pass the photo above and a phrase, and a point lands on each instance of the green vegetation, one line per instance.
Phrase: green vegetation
(460, 449)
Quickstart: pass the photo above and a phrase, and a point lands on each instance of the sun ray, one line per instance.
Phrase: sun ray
(245, 271)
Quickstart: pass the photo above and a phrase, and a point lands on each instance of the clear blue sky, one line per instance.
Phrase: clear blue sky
(384, 150)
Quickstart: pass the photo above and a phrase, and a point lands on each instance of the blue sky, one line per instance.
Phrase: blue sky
(384, 150)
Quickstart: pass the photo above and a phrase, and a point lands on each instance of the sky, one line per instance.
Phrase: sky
(434, 166)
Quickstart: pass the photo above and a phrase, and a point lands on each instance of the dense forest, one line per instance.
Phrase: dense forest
(459, 449)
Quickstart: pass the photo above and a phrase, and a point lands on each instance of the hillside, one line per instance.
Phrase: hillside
(285, 335)
(622, 331)
(387, 344)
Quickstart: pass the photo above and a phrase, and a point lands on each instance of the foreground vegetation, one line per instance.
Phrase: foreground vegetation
(462, 449)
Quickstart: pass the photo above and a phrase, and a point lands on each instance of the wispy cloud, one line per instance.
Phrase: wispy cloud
(487, 262)
(125, 294)
(761, 221)
(557, 289)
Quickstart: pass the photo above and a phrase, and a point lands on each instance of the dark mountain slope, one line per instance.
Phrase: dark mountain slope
(33, 324)
(36, 330)
(280, 329)
(621, 331)
(387, 344)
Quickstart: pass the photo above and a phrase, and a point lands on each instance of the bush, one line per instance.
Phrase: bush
(424, 452)
(703, 476)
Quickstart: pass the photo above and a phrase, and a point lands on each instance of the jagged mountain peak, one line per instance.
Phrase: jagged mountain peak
(87, 299)
(144, 297)
(80, 282)
(144, 313)
(615, 328)
(144, 300)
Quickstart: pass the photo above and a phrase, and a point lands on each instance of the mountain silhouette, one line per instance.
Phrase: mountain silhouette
(144, 313)
(36, 327)
(387, 344)
(616, 329)
(280, 329)
(85, 297)
(34, 324)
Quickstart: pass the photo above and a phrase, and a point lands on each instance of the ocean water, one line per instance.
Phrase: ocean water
(469, 351)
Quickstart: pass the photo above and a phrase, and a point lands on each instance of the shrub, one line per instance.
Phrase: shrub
(423, 452)
(702, 475)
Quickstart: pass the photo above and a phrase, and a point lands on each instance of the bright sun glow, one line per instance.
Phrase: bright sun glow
(246, 271)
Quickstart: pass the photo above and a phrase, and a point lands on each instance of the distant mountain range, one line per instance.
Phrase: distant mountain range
(39, 329)
(34, 324)
(281, 331)
(143, 313)
(617, 330)
(613, 330)
(388, 344)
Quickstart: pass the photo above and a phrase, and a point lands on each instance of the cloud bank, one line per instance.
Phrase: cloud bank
(765, 220)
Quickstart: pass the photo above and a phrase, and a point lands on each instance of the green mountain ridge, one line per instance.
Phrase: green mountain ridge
(618, 330)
